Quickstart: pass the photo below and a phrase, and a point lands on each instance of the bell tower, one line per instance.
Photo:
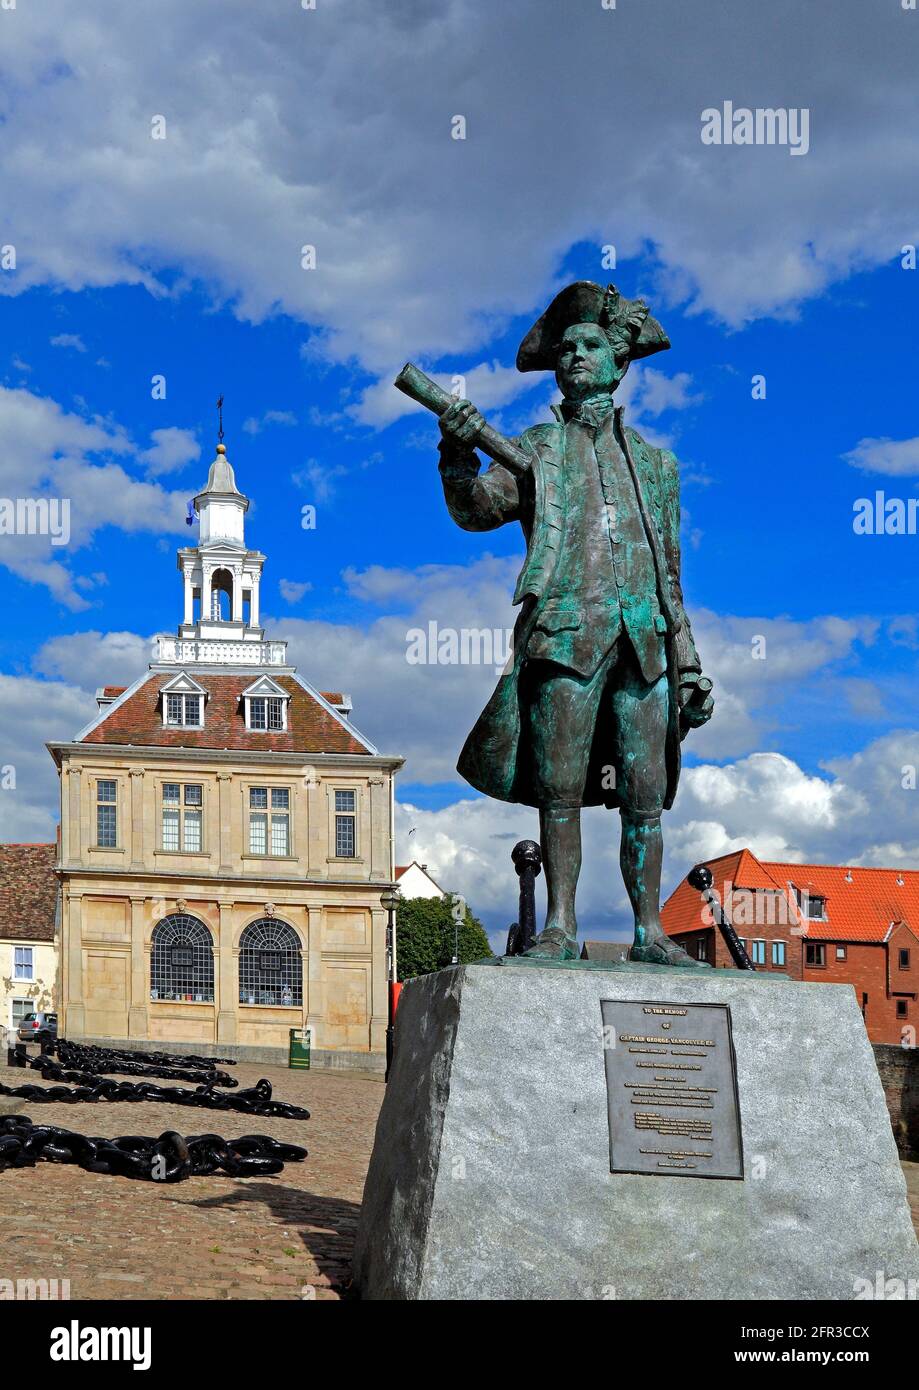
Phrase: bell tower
(221, 579)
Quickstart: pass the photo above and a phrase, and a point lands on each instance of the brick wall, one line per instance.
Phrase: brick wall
(898, 1068)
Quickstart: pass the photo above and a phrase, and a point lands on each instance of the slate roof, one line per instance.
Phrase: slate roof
(28, 892)
(311, 728)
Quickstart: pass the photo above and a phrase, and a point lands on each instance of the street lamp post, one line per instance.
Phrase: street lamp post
(390, 899)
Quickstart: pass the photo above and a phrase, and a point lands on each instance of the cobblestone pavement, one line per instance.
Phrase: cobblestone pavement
(283, 1237)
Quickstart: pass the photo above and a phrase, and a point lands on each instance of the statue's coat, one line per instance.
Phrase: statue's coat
(495, 758)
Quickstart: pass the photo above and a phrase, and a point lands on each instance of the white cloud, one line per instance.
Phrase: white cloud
(171, 450)
(757, 663)
(292, 590)
(489, 386)
(427, 245)
(33, 712)
(856, 813)
(90, 659)
(48, 452)
(255, 425)
(895, 457)
(68, 340)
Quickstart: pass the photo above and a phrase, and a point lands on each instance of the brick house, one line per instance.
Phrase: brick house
(226, 834)
(28, 916)
(810, 922)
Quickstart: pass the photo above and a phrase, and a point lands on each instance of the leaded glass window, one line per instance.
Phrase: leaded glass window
(270, 965)
(106, 814)
(182, 960)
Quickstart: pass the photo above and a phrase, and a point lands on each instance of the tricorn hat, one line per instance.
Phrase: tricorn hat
(632, 330)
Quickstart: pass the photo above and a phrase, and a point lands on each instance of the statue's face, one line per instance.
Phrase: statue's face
(586, 363)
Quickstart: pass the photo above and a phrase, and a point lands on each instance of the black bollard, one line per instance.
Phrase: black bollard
(527, 859)
(700, 878)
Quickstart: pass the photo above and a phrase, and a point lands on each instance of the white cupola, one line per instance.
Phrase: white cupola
(221, 579)
(221, 507)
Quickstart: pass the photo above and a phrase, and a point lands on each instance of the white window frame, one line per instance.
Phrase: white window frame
(31, 953)
(271, 813)
(343, 815)
(278, 703)
(17, 999)
(779, 965)
(184, 722)
(182, 807)
(113, 803)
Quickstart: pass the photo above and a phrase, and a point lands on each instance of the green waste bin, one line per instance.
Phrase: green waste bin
(299, 1051)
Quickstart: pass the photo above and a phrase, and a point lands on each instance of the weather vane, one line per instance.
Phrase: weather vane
(220, 419)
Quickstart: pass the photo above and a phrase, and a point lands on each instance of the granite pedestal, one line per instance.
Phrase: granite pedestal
(491, 1170)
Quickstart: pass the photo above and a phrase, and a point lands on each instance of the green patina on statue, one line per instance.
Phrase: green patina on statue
(605, 680)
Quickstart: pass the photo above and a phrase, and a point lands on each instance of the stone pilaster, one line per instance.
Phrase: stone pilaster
(314, 1002)
(74, 1020)
(137, 1011)
(75, 836)
(227, 991)
(376, 851)
(137, 818)
(379, 985)
(225, 792)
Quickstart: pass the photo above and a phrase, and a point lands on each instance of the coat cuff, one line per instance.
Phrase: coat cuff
(458, 464)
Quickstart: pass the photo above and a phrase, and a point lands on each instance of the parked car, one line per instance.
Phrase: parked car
(35, 1027)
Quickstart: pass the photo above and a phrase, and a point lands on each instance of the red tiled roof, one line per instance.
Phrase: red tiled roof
(114, 690)
(334, 697)
(860, 910)
(28, 892)
(310, 727)
(401, 868)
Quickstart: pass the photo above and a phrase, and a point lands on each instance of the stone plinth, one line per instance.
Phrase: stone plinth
(491, 1171)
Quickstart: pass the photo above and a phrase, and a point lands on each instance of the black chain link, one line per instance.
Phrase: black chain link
(255, 1101)
(168, 1158)
(108, 1054)
(91, 1068)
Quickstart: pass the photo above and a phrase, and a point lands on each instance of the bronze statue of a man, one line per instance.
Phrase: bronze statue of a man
(605, 679)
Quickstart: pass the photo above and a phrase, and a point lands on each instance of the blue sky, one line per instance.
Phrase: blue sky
(182, 259)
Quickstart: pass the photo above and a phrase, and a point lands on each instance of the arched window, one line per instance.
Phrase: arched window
(182, 960)
(221, 596)
(270, 965)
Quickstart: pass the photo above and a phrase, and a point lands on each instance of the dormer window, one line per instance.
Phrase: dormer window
(183, 703)
(266, 712)
(811, 906)
(184, 711)
(265, 704)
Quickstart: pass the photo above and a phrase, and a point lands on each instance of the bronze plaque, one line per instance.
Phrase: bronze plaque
(671, 1089)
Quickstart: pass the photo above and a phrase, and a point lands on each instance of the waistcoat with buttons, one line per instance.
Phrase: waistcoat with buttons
(602, 577)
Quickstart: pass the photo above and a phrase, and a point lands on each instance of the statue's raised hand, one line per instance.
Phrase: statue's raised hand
(461, 425)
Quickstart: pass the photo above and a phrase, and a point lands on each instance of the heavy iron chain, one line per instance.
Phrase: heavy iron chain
(108, 1054)
(168, 1158)
(89, 1068)
(255, 1101)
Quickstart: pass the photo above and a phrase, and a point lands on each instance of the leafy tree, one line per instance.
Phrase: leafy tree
(425, 936)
